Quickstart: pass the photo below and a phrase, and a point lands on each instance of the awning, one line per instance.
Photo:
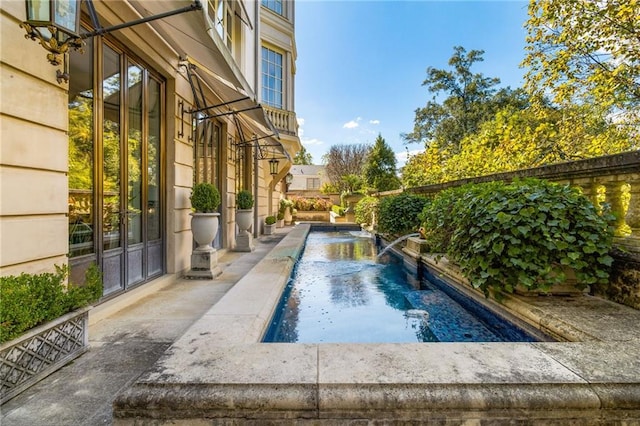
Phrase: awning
(201, 47)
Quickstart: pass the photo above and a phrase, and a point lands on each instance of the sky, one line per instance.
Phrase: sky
(361, 64)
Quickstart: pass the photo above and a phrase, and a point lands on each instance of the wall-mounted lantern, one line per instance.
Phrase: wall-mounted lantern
(273, 166)
(288, 179)
(55, 24)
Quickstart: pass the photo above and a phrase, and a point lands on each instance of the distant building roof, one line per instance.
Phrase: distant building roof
(312, 170)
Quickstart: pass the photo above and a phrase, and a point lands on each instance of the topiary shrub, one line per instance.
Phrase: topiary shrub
(29, 300)
(205, 198)
(339, 210)
(523, 233)
(365, 209)
(244, 200)
(270, 220)
(398, 214)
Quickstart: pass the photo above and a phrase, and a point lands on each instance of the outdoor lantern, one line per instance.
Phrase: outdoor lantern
(288, 179)
(55, 24)
(273, 166)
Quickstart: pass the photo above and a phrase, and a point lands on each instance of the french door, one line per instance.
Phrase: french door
(115, 167)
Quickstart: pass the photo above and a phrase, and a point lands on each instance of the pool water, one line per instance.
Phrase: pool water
(341, 292)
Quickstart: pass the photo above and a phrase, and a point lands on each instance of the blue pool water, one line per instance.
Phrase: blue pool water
(340, 292)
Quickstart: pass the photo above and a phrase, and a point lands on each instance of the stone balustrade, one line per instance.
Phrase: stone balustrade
(283, 120)
(614, 179)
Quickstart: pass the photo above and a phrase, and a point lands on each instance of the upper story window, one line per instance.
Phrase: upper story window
(275, 5)
(221, 13)
(272, 78)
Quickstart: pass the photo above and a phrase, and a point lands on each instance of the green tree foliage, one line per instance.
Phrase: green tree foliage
(344, 160)
(586, 52)
(366, 209)
(470, 100)
(380, 167)
(303, 157)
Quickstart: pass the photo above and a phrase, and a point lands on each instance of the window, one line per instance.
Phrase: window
(275, 5)
(221, 13)
(313, 183)
(272, 78)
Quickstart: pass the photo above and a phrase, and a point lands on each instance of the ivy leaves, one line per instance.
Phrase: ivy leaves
(523, 233)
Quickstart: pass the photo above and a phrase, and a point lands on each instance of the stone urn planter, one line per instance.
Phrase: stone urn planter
(41, 351)
(244, 220)
(204, 227)
(205, 223)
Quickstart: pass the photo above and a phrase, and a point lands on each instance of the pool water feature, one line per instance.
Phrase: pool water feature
(342, 292)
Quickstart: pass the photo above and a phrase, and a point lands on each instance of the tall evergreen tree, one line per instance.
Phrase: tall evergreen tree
(380, 167)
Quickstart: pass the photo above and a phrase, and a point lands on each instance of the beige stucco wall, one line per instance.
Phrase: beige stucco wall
(33, 183)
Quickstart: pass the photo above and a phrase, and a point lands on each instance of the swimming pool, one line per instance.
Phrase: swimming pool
(341, 292)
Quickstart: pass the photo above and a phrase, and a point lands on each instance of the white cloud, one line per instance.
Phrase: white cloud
(374, 122)
(402, 156)
(300, 121)
(352, 124)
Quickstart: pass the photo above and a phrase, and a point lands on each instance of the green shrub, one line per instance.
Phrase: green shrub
(398, 214)
(205, 198)
(523, 233)
(29, 300)
(270, 220)
(244, 200)
(365, 209)
(283, 205)
(339, 210)
(280, 216)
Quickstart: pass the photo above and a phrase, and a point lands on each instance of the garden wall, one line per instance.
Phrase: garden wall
(614, 179)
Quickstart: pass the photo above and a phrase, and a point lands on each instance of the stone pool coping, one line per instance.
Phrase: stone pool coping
(219, 371)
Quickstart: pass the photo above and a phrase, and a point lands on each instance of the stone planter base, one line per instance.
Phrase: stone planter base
(43, 350)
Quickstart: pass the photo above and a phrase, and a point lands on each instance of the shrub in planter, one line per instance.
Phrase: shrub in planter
(280, 216)
(339, 210)
(525, 233)
(244, 200)
(270, 220)
(29, 300)
(365, 209)
(205, 198)
(398, 214)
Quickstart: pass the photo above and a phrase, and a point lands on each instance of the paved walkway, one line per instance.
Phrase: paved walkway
(124, 345)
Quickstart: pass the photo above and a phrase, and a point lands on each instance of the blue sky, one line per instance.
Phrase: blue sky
(361, 64)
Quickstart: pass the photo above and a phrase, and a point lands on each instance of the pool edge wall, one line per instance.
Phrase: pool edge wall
(219, 371)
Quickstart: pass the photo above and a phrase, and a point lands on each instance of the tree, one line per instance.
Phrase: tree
(586, 52)
(380, 167)
(471, 100)
(344, 160)
(303, 157)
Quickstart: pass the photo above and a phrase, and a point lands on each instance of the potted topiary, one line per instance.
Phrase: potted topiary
(244, 216)
(280, 220)
(269, 225)
(285, 209)
(205, 200)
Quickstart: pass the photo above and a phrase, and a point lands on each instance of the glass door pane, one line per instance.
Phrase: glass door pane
(134, 157)
(153, 161)
(111, 227)
(81, 152)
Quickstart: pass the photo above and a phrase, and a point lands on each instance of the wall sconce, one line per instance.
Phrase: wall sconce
(273, 166)
(288, 179)
(55, 25)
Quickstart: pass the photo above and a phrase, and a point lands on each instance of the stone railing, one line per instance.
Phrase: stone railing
(613, 179)
(283, 120)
